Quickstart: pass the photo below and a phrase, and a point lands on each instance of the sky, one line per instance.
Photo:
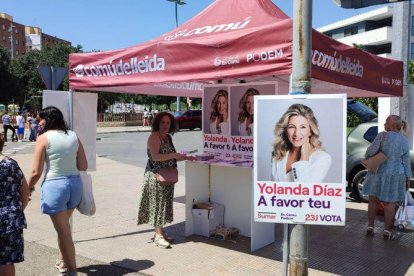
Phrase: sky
(115, 24)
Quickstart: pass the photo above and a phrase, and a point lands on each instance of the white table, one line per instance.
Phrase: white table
(232, 187)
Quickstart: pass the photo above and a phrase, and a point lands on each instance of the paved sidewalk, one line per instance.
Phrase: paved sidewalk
(110, 243)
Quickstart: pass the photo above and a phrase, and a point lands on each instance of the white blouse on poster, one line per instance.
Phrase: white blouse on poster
(314, 170)
(224, 128)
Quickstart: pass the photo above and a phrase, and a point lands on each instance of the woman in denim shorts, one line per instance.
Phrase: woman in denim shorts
(61, 190)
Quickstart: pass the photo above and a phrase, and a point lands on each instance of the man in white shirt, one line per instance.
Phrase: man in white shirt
(20, 123)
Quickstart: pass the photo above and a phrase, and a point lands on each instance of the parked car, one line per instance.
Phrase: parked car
(189, 119)
(357, 142)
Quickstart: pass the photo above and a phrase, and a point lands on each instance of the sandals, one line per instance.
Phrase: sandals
(370, 231)
(160, 241)
(387, 235)
(61, 266)
(167, 237)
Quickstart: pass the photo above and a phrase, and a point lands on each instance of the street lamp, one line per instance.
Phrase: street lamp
(11, 40)
(356, 4)
(177, 2)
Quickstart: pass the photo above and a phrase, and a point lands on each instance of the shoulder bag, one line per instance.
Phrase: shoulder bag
(87, 203)
(167, 176)
(373, 163)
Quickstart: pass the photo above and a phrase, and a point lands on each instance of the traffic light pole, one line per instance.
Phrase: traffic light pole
(300, 83)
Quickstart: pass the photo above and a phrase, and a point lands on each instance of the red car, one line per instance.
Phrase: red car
(189, 119)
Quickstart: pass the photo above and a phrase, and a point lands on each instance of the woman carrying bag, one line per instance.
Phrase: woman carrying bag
(64, 156)
(156, 205)
(390, 182)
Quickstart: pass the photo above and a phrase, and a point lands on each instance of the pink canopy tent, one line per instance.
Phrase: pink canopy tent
(232, 40)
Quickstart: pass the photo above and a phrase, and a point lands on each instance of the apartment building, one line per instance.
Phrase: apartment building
(372, 30)
(21, 39)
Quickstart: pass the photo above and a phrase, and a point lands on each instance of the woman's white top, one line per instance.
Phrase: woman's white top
(224, 128)
(243, 131)
(313, 170)
(61, 152)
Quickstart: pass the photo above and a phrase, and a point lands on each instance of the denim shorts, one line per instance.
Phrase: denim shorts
(20, 130)
(60, 194)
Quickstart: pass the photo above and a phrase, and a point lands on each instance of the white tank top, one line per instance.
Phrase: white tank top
(61, 152)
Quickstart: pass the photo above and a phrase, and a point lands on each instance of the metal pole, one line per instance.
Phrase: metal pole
(300, 84)
(176, 25)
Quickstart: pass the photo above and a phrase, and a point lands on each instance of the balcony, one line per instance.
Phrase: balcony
(374, 37)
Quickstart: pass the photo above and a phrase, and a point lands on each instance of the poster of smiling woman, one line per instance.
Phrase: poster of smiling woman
(299, 159)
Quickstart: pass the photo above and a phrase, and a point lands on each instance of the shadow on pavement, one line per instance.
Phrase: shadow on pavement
(117, 268)
(340, 250)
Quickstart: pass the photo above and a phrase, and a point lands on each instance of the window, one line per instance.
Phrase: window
(17, 42)
(412, 26)
(371, 134)
(4, 27)
(412, 51)
(4, 38)
(351, 31)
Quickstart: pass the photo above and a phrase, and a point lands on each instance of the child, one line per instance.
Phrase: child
(14, 197)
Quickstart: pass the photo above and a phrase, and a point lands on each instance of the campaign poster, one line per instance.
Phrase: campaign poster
(216, 121)
(242, 114)
(300, 159)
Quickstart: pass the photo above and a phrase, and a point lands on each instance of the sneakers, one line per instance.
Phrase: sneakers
(68, 273)
(160, 241)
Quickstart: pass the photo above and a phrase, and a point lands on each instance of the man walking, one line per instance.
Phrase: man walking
(6, 119)
(20, 121)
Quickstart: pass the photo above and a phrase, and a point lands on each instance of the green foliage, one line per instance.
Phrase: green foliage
(411, 72)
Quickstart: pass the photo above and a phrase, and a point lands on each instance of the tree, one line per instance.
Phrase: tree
(25, 70)
(6, 79)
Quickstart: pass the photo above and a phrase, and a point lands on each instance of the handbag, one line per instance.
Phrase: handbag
(167, 176)
(373, 163)
(87, 204)
(404, 217)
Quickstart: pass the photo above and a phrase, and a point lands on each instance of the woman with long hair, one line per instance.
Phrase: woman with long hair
(63, 153)
(297, 151)
(246, 110)
(219, 117)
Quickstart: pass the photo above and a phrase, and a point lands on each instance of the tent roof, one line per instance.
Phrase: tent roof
(230, 39)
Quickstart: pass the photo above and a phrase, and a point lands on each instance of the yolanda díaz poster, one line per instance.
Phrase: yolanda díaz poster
(228, 120)
(299, 159)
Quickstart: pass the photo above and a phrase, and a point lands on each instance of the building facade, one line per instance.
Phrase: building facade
(20, 39)
(372, 31)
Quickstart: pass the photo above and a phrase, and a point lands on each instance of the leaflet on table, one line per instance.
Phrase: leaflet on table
(302, 203)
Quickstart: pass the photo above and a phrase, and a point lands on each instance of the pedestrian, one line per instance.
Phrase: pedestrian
(33, 127)
(145, 121)
(63, 153)
(297, 150)
(14, 197)
(156, 204)
(20, 121)
(390, 182)
(7, 124)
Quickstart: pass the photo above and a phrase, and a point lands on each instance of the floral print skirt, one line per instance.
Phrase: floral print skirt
(156, 204)
(11, 247)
